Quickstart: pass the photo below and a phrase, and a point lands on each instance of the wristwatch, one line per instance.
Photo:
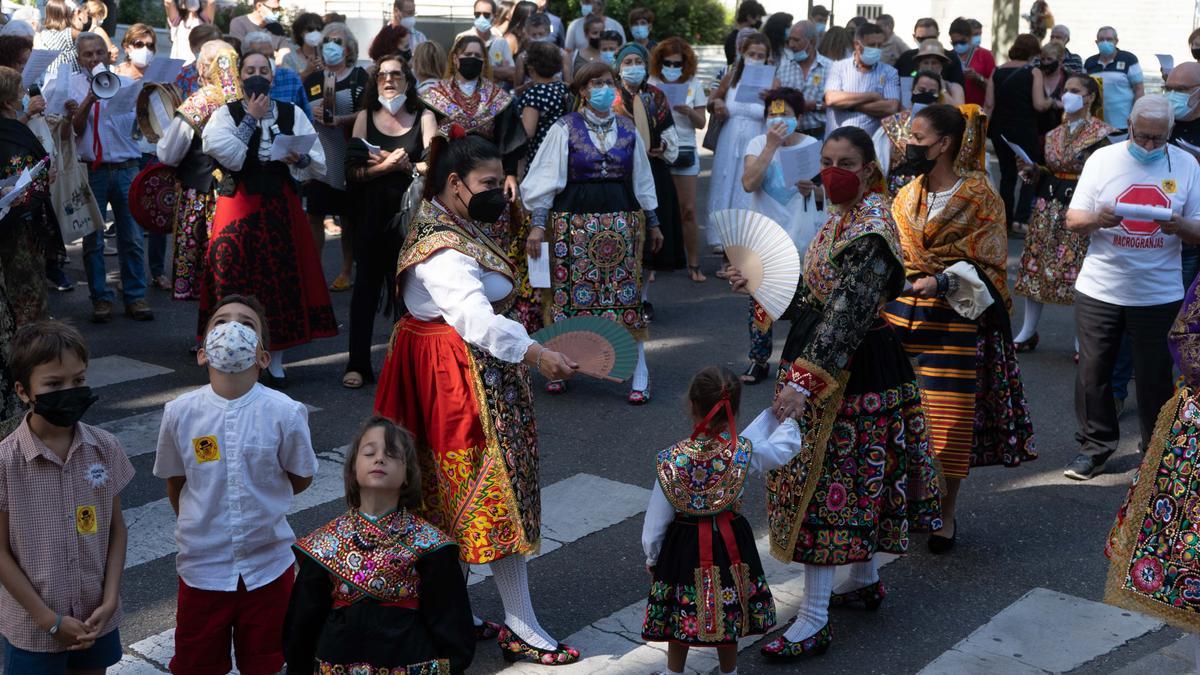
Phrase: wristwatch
(57, 624)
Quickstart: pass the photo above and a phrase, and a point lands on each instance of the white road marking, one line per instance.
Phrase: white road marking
(131, 664)
(1043, 632)
(107, 370)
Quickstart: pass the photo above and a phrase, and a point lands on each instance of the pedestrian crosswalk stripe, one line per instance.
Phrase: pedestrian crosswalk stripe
(108, 370)
(1043, 632)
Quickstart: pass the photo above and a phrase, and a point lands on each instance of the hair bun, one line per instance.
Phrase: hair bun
(457, 131)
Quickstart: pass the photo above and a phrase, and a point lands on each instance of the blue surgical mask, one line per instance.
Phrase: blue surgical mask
(270, 15)
(671, 74)
(609, 58)
(870, 56)
(332, 53)
(962, 48)
(640, 32)
(1106, 47)
(820, 27)
(789, 122)
(976, 40)
(602, 98)
(1143, 155)
(1181, 102)
(633, 75)
(585, 9)
(799, 57)
(483, 24)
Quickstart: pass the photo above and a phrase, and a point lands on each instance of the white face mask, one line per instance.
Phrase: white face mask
(192, 5)
(231, 347)
(1072, 102)
(141, 57)
(393, 104)
(754, 62)
(468, 87)
(313, 38)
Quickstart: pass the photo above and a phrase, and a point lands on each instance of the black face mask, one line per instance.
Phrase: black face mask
(470, 66)
(916, 159)
(486, 206)
(407, 54)
(757, 24)
(256, 85)
(925, 97)
(1196, 54)
(1049, 68)
(594, 43)
(65, 407)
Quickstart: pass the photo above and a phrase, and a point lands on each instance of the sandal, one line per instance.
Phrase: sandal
(352, 380)
(696, 275)
(757, 372)
(341, 283)
(556, 387)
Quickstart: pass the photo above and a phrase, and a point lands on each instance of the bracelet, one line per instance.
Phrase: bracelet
(538, 364)
(57, 624)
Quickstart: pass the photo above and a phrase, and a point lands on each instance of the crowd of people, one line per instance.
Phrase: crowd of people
(449, 170)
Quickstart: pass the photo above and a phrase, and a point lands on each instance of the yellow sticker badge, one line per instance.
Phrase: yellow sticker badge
(1169, 186)
(315, 90)
(206, 449)
(85, 519)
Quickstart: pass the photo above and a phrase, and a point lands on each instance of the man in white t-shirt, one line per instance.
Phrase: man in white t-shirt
(1130, 281)
(498, 52)
(576, 37)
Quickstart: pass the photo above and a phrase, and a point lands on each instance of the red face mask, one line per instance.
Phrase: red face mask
(841, 186)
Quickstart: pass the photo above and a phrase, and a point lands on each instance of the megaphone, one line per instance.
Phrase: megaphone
(105, 83)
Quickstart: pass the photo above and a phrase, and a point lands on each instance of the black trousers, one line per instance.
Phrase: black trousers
(1018, 195)
(374, 261)
(1100, 327)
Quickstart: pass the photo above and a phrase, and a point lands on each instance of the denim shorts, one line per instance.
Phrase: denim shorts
(104, 653)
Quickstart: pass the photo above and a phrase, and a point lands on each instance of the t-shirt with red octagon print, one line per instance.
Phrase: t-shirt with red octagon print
(1135, 264)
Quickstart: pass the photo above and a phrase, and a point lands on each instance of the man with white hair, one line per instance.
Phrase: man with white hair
(1072, 62)
(1120, 74)
(1137, 200)
(287, 85)
(804, 70)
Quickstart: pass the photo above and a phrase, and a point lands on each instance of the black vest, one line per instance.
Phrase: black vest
(258, 177)
(196, 169)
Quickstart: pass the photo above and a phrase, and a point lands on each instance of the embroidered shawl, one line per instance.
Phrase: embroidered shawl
(704, 476)
(434, 229)
(476, 113)
(222, 85)
(870, 216)
(1067, 151)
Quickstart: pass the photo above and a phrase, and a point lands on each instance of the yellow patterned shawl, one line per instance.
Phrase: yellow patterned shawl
(222, 85)
(971, 227)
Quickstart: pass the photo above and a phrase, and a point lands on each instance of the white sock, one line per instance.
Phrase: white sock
(641, 374)
(276, 366)
(814, 609)
(1033, 314)
(862, 574)
(512, 580)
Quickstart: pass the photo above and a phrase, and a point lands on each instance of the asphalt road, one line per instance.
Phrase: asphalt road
(1020, 529)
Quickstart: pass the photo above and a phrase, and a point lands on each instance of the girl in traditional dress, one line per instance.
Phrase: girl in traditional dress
(1053, 253)
(647, 106)
(798, 207)
(891, 139)
(585, 188)
(864, 478)
(391, 124)
(457, 375)
(182, 147)
(467, 96)
(260, 243)
(379, 588)
(709, 591)
(955, 319)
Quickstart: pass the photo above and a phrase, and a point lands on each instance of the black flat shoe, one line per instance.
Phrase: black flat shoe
(647, 311)
(1028, 345)
(514, 649)
(757, 372)
(487, 630)
(870, 596)
(939, 544)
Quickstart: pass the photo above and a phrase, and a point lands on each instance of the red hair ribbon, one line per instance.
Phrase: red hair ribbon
(457, 131)
(730, 419)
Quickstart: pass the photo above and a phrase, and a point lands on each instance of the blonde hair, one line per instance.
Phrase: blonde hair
(57, 16)
(97, 10)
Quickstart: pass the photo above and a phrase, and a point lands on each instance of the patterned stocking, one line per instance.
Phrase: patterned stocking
(814, 610)
(512, 580)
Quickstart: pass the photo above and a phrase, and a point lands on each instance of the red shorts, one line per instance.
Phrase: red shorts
(205, 621)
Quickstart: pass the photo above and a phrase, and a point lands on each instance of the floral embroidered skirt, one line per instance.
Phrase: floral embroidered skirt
(439, 667)
(1052, 257)
(866, 479)
(1154, 548)
(193, 220)
(970, 384)
(708, 605)
(472, 416)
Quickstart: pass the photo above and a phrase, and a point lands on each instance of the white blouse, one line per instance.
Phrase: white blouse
(548, 173)
(452, 286)
(773, 445)
(175, 141)
(224, 143)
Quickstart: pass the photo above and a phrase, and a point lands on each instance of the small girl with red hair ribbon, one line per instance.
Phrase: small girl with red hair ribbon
(709, 588)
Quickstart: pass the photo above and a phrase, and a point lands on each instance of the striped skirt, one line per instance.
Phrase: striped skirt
(970, 384)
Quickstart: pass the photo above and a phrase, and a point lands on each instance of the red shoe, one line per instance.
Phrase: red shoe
(870, 596)
(556, 387)
(639, 397)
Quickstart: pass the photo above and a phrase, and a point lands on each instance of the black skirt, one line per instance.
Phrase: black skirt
(672, 255)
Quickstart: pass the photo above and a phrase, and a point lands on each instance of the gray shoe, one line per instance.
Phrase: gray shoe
(1084, 467)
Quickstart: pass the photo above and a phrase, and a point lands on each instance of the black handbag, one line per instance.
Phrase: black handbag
(712, 133)
(685, 159)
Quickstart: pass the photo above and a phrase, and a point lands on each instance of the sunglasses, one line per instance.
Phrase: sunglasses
(672, 64)
(486, 15)
(390, 75)
(138, 44)
(335, 40)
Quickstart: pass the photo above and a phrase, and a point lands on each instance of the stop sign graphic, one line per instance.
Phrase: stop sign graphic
(1147, 195)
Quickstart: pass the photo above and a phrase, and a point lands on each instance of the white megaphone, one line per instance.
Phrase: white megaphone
(105, 83)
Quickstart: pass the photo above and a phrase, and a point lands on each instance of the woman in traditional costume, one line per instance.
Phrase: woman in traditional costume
(864, 478)
(390, 123)
(650, 111)
(457, 376)
(467, 96)
(260, 243)
(891, 139)
(710, 591)
(955, 319)
(588, 189)
(379, 588)
(1053, 254)
(181, 146)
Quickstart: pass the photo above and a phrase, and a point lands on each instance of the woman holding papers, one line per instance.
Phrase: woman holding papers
(778, 192)
(743, 120)
(382, 159)
(457, 376)
(260, 243)
(591, 192)
(954, 317)
(1053, 253)
(864, 479)
(181, 147)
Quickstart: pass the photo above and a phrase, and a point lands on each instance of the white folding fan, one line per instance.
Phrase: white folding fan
(765, 254)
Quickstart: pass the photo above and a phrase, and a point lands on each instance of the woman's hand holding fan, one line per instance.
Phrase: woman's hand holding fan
(737, 281)
(551, 364)
(591, 345)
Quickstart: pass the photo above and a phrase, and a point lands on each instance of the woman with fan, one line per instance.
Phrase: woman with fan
(864, 479)
(954, 319)
(799, 207)
(457, 376)
(467, 96)
(382, 161)
(585, 189)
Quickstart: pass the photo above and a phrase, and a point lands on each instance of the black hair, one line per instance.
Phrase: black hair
(305, 23)
(961, 26)
(708, 388)
(790, 96)
(931, 75)
(612, 36)
(776, 29)
(866, 30)
(543, 58)
(460, 156)
(412, 102)
(858, 138)
(947, 121)
(748, 9)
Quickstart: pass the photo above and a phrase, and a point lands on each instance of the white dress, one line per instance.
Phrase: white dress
(725, 189)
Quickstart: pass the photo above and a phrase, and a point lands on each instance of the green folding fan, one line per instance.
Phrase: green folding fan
(603, 349)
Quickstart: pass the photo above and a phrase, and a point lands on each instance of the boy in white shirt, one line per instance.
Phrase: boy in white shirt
(233, 455)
